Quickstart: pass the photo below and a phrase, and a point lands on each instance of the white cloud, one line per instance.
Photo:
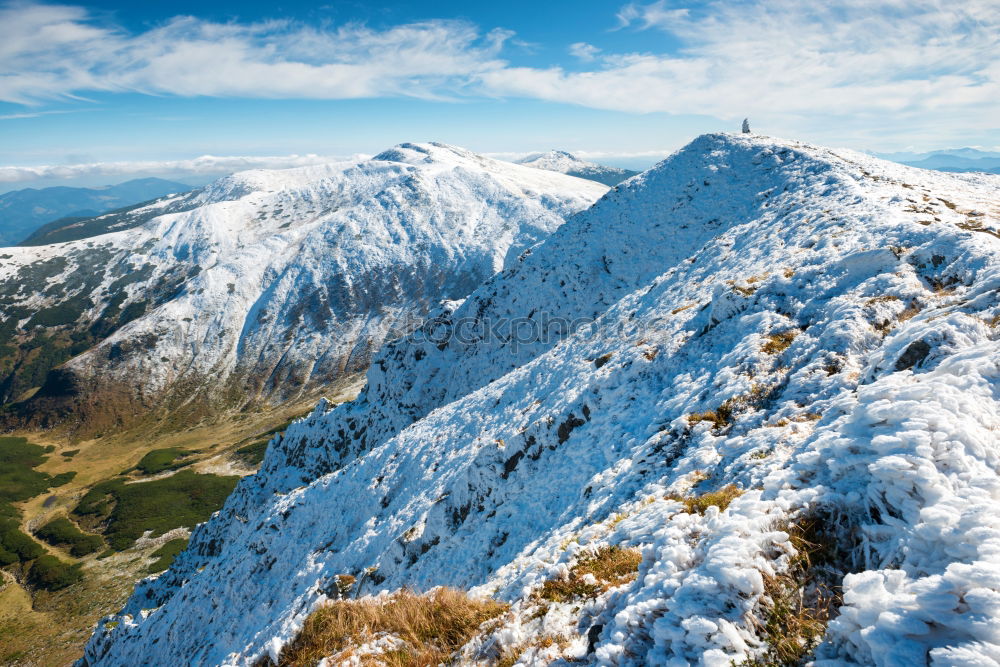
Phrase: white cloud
(863, 66)
(843, 70)
(54, 51)
(585, 52)
(206, 165)
(656, 14)
(38, 114)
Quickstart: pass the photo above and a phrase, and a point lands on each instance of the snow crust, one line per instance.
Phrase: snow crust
(493, 464)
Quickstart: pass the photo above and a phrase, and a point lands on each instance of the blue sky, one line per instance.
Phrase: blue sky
(99, 91)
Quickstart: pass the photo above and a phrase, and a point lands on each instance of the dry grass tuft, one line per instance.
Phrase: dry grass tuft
(801, 601)
(884, 298)
(909, 312)
(779, 342)
(720, 499)
(434, 626)
(610, 567)
(511, 656)
(681, 309)
(724, 415)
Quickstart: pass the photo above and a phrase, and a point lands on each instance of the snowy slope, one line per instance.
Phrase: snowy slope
(567, 163)
(269, 283)
(493, 464)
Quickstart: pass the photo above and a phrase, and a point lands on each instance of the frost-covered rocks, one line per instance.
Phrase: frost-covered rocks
(815, 327)
(267, 284)
(567, 163)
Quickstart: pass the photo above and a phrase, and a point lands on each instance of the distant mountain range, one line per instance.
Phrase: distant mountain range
(262, 285)
(952, 159)
(23, 211)
(569, 164)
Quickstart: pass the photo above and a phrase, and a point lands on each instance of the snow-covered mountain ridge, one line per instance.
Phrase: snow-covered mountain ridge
(567, 163)
(815, 327)
(269, 283)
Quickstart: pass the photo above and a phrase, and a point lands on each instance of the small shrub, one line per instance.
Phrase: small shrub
(18, 478)
(166, 554)
(128, 510)
(63, 478)
(62, 532)
(7, 558)
(13, 541)
(610, 566)
(779, 342)
(602, 360)
(51, 574)
(720, 499)
(434, 626)
(160, 460)
(253, 454)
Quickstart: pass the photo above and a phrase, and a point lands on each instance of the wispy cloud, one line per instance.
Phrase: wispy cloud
(785, 58)
(585, 52)
(37, 114)
(205, 165)
(657, 14)
(58, 51)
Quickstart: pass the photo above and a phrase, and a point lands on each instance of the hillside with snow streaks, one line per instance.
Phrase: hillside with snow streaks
(815, 327)
(268, 284)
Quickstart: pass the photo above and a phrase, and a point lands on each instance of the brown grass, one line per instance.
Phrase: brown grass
(801, 601)
(611, 566)
(885, 298)
(510, 656)
(434, 626)
(909, 312)
(724, 415)
(779, 342)
(698, 504)
(681, 309)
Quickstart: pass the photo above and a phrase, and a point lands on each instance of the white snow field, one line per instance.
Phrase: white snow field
(834, 314)
(274, 282)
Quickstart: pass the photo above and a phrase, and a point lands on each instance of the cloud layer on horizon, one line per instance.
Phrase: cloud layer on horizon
(206, 165)
(873, 64)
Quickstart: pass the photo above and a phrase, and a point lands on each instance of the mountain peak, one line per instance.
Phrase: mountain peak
(565, 162)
